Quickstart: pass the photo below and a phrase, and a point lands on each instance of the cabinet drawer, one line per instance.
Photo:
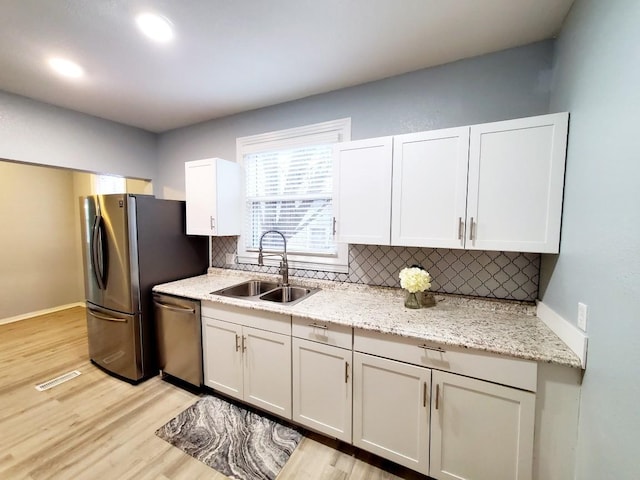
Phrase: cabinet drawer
(493, 368)
(323, 332)
(273, 322)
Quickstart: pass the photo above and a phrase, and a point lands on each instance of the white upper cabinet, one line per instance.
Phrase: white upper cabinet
(495, 186)
(213, 189)
(516, 179)
(430, 188)
(362, 191)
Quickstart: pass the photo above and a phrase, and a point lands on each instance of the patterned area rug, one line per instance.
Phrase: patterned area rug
(236, 442)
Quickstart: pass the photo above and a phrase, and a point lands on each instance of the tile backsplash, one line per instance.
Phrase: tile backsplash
(503, 275)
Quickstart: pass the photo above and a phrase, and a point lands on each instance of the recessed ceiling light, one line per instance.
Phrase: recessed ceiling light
(156, 27)
(66, 68)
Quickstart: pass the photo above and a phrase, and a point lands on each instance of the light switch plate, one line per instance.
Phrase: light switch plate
(229, 258)
(582, 316)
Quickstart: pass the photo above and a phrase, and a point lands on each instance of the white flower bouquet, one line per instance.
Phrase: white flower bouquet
(415, 279)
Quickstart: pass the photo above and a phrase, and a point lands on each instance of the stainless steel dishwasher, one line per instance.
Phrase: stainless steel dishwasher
(179, 337)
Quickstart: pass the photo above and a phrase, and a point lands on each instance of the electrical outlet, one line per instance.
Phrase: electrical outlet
(582, 316)
(230, 258)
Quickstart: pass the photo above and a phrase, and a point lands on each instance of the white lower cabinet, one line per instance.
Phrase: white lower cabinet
(480, 430)
(322, 388)
(267, 370)
(447, 425)
(448, 413)
(391, 410)
(222, 356)
(250, 364)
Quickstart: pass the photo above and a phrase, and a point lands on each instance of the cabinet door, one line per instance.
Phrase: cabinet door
(267, 371)
(516, 178)
(362, 191)
(200, 193)
(322, 388)
(213, 189)
(391, 410)
(222, 356)
(430, 188)
(480, 430)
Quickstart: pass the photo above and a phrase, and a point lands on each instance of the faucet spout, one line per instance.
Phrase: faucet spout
(284, 263)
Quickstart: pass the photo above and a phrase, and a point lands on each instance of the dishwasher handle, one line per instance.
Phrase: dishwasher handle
(174, 308)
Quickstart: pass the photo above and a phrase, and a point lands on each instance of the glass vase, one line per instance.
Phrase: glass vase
(412, 300)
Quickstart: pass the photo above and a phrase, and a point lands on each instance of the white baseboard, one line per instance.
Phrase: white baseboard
(25, 316)
(575, 338)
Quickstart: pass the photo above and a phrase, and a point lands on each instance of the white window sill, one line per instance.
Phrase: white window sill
(322, 264)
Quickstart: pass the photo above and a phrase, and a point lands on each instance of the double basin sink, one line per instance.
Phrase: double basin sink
(260, 290)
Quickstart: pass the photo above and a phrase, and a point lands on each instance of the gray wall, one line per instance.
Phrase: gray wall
(597, 79)
(508, 84)
(39, 133)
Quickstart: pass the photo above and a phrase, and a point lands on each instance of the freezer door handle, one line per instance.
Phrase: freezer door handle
(108, 318)
(98, 258)
(174, 308)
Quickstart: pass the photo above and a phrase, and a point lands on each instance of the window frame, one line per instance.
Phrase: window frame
(335, 130)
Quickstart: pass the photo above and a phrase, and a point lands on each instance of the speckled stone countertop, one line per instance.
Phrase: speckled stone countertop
(501, 327)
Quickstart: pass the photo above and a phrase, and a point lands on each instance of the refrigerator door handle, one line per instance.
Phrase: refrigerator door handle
(106, 317)
(97, 252)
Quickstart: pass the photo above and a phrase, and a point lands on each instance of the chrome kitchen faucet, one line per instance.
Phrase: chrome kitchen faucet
(284, 264)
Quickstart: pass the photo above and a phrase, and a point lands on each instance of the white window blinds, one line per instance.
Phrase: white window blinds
(290, 190)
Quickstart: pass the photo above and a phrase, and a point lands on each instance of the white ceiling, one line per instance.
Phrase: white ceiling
(231, 56)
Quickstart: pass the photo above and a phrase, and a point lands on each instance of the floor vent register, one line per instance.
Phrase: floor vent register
(57, 381)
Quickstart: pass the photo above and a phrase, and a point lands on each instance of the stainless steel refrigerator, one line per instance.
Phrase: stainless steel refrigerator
(131, 243)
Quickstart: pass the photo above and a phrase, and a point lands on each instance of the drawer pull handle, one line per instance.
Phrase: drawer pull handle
(460, 229)
(346, 372)
(244, 344)
(315, 325)
(424, 394)
(433, 349)
(437, 395)
(237, 342)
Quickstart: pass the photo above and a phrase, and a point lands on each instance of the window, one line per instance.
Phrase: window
(289, 188)
(109, 184)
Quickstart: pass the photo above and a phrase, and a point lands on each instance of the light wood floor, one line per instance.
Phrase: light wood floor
(97, 427)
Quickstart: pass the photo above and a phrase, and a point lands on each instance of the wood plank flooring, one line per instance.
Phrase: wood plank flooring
(97, 427)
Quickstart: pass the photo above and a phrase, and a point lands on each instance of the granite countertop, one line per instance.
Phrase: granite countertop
(501, 327)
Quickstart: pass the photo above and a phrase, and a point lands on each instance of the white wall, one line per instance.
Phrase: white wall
(597, 79)
(508, 84)
(39, 133)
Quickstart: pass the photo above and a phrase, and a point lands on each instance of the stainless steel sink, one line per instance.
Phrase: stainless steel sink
(286, 294)
(247, 289)
(260, 290)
